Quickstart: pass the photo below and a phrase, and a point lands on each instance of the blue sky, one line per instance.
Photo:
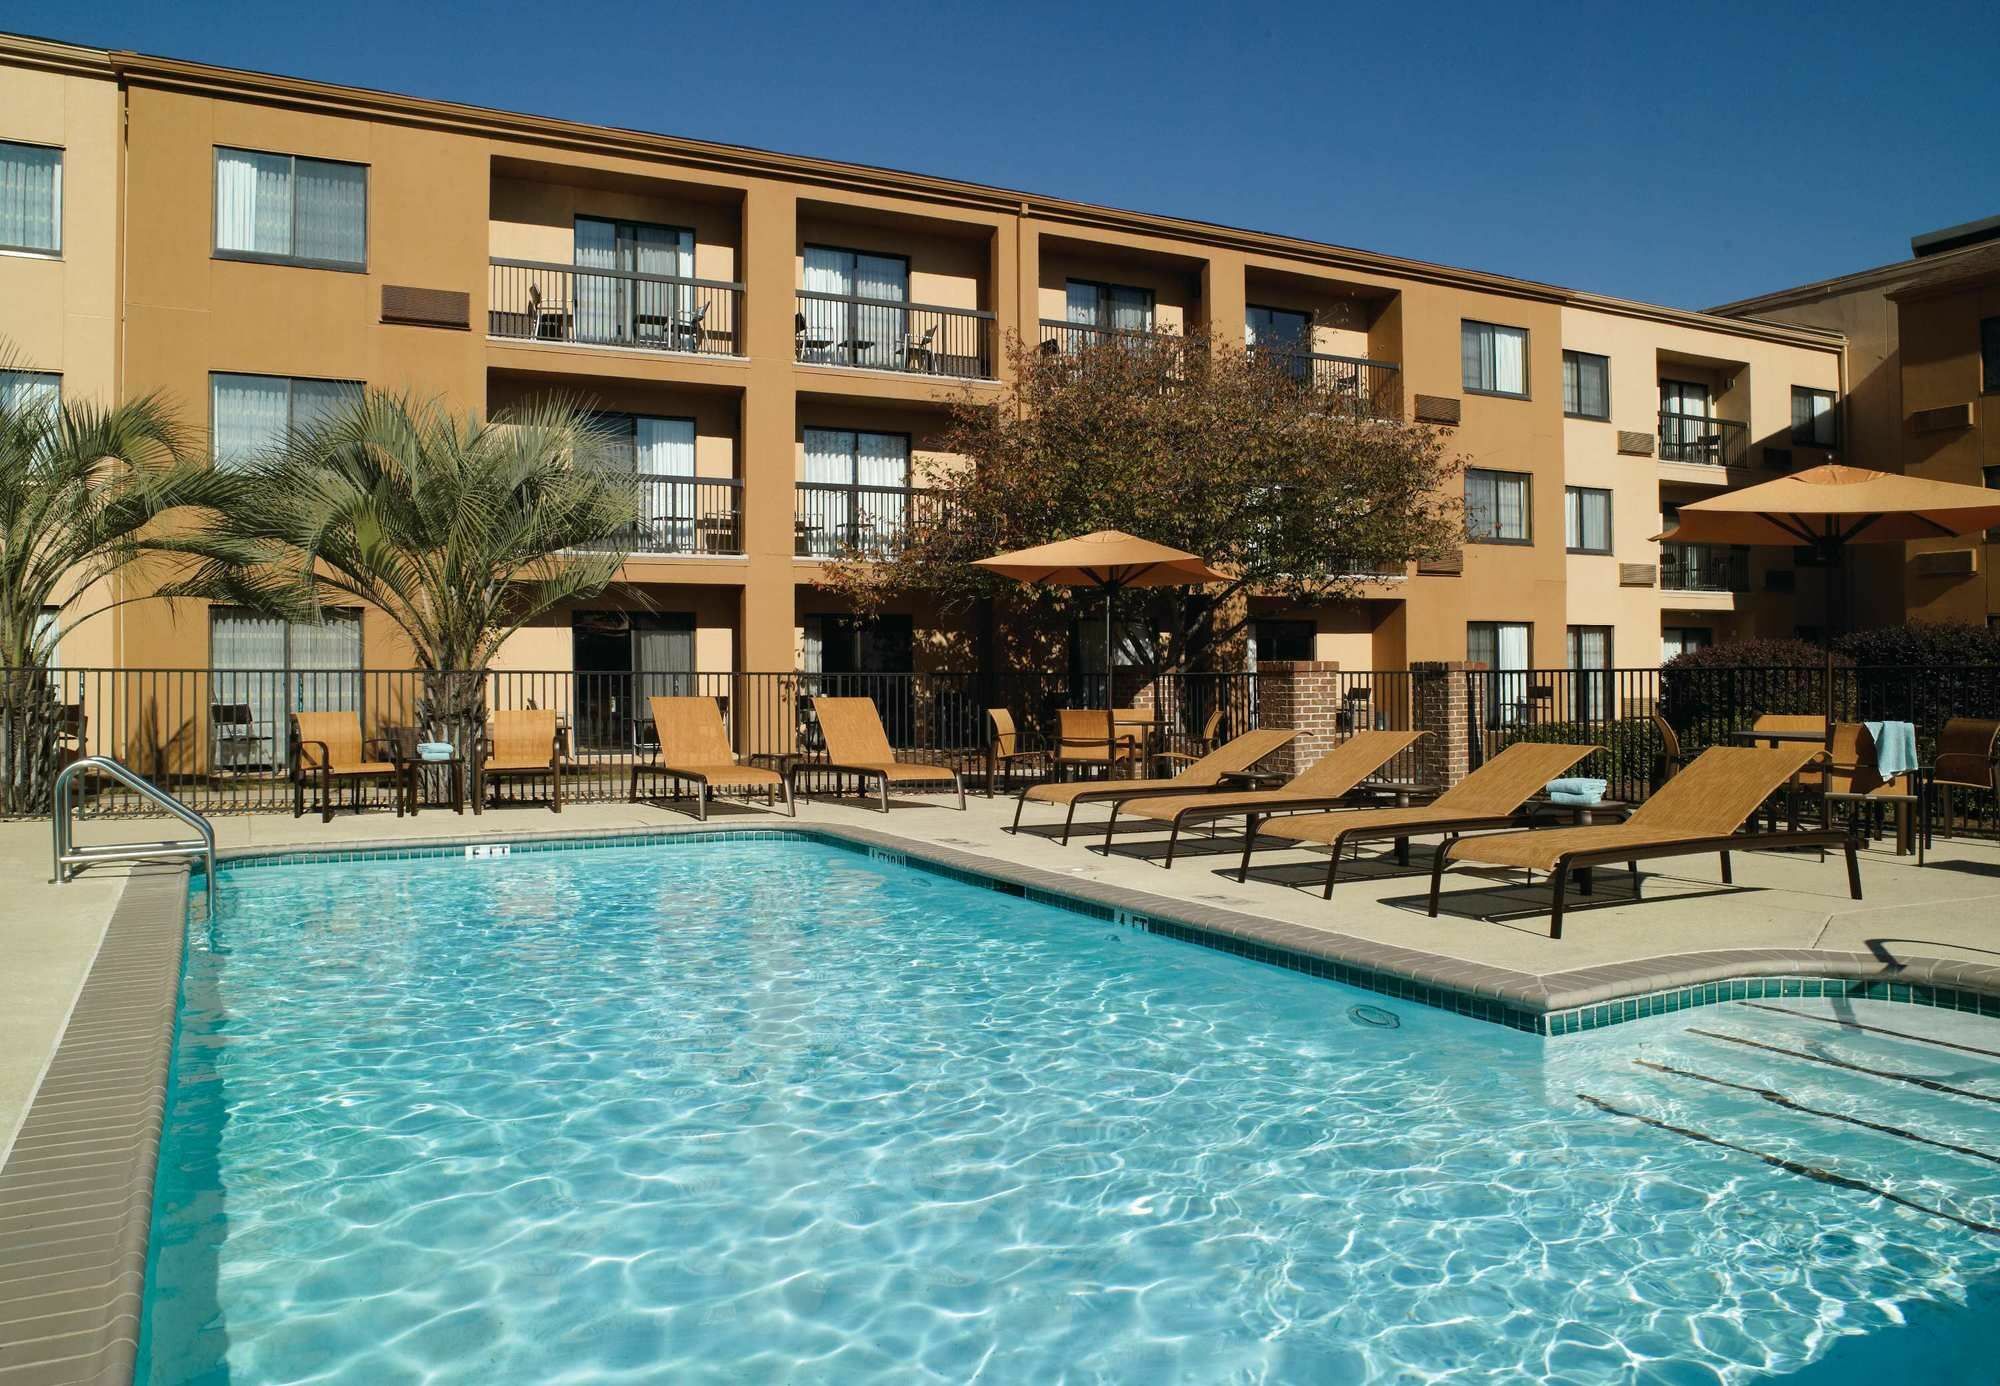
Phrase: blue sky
(1686, 154)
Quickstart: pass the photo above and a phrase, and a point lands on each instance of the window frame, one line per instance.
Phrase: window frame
(1832, 416)
(1579, 357)
(1527, 375)
(1527, 508)
(42, 252)
(27, 375)
(291, 398)
(1570, 492)
(1102, 321)
(1304, 346)
(258, 257)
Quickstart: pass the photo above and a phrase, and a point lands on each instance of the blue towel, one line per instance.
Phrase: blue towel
(1895, 748)
(434, 750)
(1576, 790)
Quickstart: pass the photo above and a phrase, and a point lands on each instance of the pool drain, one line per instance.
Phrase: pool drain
(1374, 1017)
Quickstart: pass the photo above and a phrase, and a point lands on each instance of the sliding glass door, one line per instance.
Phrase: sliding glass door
(615, 309)
(867, 329)
(266, 669)
(857, 492)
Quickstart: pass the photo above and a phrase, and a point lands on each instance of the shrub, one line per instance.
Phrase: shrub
(1922, 644)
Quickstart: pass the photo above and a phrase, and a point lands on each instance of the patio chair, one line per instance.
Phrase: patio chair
(1671, 756)
(519, 743)
(328, 750)
(694, 746)
(1211, 732)
(1326, 783)
(1237, 754)
(857, 745)
(918, 352)
(1853, 780)
(1702, 810)
(72, 733)
(1493, 796)
(1088, 736)
(233, 739)
(1005, 750)
(687, 329)
(1968, 757)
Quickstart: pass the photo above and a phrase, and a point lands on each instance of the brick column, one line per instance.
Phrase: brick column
(1441, 705)
(1303, 696)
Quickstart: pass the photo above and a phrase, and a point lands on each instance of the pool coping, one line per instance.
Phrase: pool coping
(76, 1192)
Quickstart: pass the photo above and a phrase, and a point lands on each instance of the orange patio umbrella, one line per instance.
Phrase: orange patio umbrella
(1829, 508)
(1109, 560)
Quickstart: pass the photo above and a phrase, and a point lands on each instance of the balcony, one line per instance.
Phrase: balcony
(1061, 338)
(879, 334)
(683, 517)
(1700, 439)
(1354, 384)
(1704, 568)
(836, 519)
(533, 301)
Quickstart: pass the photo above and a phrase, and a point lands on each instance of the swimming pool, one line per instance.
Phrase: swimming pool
(775, 1110)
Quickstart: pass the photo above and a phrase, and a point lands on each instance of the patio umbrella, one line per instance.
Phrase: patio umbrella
(1108, 560)
(1829, 508)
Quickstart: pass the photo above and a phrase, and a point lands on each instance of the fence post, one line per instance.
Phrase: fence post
(1303, 696)
(1441, 704)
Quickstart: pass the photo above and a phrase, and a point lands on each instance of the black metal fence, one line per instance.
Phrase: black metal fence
(683, 515)
(613, 307)
(834, 518)
(1355, 384)
(1699, 438)
(892, 335)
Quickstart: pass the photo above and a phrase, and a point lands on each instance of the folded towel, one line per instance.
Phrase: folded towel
(1895, 748)
(1574, 798)
(1591, 790)
(434, 750)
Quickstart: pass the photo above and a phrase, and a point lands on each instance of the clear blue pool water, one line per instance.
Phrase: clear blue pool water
(775, 1111)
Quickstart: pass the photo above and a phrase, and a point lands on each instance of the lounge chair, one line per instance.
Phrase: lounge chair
(857, 745)
(1326, 783)
(1490, 797)
(1233, 756)
(328, 750)
(1968, 757)
(1087, 736)
(1702, 809)
(520, 743)
(694, 746)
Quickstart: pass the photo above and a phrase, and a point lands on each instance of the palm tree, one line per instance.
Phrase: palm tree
(81, 486)
(458, 531)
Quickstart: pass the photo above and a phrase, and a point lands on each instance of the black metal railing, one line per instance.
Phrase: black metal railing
(1368, 389)
(890, 335)
(1698, 438)
(1075, 338)
(1704, 568)
(683, 515)
(831, 519)
(605, 307)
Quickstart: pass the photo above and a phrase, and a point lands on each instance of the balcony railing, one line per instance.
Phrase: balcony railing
(1704, 568)
(1073, 338)
(880, 334)
(683, 515)
(835, 518)
(619, 308)
(1370, 389)
(1698, 438)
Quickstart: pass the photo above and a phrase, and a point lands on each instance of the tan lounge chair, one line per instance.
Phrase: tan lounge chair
(520, 743)
(1702, 809)
(328, 749)
(1237, 754)
(694, 746)
(1326, 783)
(1490, 797)
(857, 745)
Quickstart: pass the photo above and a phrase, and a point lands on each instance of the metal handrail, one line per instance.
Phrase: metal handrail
(62, 805)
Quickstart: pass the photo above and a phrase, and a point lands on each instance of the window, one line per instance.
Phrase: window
(856, 334)
(622, 660)
(836, 645)
(290, 210)
(1586, 385)
(1496, 507)
(856, 490)
(250, 413)
(30, 198)
(1277, 329)
(267, 669)
(1117, 307)
(1814, 424)
(27, 389)
(1675, 640)
(1495, 359)
(1686, 435)
(1502, 646)
(1590, 672)
(1279, 640)
(1989, 356)
(1587, 519)
(661, 453)
(634, 302)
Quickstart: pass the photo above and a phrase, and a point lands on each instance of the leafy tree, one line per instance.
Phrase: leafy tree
(1297, 493)
(458, 531)
(81, 488)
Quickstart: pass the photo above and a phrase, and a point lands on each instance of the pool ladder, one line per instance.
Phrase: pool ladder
(62, 815)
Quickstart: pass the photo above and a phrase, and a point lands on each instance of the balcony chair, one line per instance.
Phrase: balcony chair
(810, 347)
(687, 329)
(327, 749)
(918, 353)
(519, 743)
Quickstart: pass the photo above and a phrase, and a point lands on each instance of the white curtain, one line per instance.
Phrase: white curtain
(253, 202)
(1510, 507)
(314, 400)
(879, 331)
(1589, 659)
(248, 655)
(1510, 366)
(1081, 302)
(662, 250)
(812, 645)
(665, 448)
(30, 197)
(600, 299)
(829, 463)
(882, 459)
(248, 413)
(1131, 309)
(827, 271)
(332, 212)
(23, 390)
(325, 663)
(1511, 661)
